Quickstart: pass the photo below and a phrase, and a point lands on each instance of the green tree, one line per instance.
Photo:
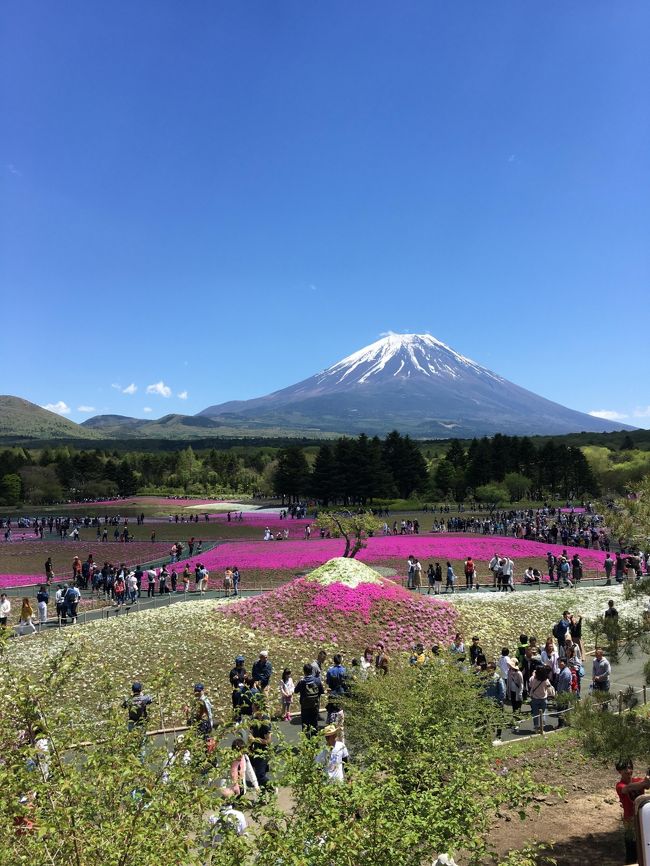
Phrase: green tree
(492, 495)
(406, 463)
(292, 475)
(629, 516)
(628, 443)
(430, 756)
(323, 485)
(11, 487)
(517, 485)
(444, 479)
(354, 528)
(41, 484)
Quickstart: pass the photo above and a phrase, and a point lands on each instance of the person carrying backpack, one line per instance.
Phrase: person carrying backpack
(309, 689)
(71, 598)
(137, 704)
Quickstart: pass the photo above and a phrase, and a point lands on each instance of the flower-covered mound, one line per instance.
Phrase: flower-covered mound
(355, 611)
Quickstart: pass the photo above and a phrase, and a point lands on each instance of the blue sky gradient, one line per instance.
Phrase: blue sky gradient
(226, 198)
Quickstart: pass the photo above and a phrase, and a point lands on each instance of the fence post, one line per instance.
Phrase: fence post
(645, 701)
(541, 724)
(620, 702)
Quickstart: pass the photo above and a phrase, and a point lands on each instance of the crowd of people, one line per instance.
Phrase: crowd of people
(532, 673)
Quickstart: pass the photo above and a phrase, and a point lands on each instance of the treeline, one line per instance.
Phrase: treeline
(508, 468)
(513, 468)
(346, 470)
(58, 474)
(353, 471)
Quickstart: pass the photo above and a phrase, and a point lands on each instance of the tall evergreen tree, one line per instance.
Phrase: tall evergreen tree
(292, 476)
(323, 478)
(406, 463)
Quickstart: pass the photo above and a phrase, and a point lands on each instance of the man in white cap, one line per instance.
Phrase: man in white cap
(262, 670)
(333, 755)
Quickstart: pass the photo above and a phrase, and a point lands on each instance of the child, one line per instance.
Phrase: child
(287, 689)
(335, 716)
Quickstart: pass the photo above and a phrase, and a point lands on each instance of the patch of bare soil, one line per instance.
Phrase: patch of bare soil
(581, 825)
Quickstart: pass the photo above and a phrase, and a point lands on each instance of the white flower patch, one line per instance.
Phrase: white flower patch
(349, 572)
(498, 618)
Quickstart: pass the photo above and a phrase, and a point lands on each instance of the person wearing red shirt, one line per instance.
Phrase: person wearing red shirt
(628, 789)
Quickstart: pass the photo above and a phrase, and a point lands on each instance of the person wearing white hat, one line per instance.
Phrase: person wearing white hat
(334, 755)
(262, 670)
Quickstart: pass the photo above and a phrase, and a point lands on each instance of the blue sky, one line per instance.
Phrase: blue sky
(215, 200)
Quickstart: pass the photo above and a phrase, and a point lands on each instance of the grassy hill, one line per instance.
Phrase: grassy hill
(21, 420)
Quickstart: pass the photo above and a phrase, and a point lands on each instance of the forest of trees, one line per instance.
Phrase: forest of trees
(507, 468)
(62, 473)
(518, 467)
(343, 471)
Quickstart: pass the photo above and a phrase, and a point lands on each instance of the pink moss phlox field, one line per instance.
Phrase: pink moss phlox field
(350, 618)
(7, 580)
(62, 553)
(300, 554)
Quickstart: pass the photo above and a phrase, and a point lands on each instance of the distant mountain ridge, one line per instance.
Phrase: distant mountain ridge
(413, 383)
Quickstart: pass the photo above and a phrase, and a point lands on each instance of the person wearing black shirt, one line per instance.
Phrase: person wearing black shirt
(137, 705)
(237, 678)
(259, 742)
(309, 689)
(530, 663)
(476, 653)
(611, 612)
(262, 670)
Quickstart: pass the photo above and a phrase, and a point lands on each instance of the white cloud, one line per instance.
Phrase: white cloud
(130, 389)
(11, 168)
(85, 408)
(147, 409)
(642, 412)
(117, 386)
(159, 388)
(60, 408)
(608, 414)
(182, 395)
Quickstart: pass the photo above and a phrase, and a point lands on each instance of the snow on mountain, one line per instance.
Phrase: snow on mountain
(403, 355)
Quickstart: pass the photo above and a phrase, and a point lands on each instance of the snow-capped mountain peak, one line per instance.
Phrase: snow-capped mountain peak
(408, 382)
(403, 356)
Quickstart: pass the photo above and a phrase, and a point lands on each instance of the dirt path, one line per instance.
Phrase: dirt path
(582, 824)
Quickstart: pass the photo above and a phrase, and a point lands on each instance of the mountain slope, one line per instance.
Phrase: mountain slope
(413, 383)
(20, 419)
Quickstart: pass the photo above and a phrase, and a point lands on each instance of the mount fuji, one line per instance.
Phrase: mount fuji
(413, 383)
